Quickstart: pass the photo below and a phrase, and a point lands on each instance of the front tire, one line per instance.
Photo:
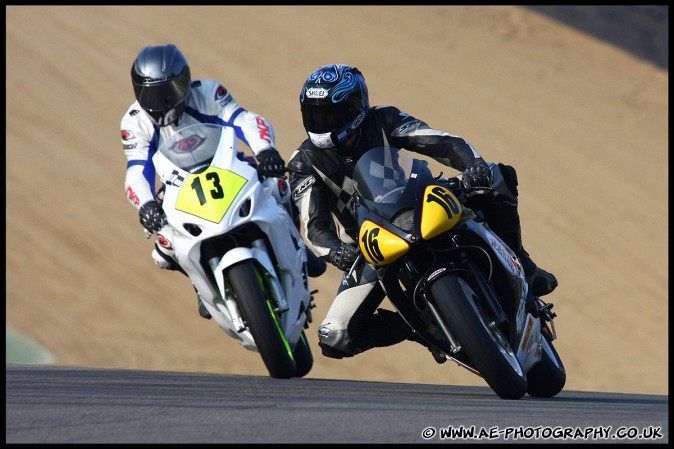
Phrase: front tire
(488, 351)
(262, 322)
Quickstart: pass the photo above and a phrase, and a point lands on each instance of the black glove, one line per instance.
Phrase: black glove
(344, 256)
(477, 175)
(152, 216)
(271, 165)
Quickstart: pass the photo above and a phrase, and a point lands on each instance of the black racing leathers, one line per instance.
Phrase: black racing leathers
(321, 179)
(322, 186)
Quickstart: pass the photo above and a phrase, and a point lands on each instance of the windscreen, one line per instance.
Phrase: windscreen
(193, 147)
(381, 174)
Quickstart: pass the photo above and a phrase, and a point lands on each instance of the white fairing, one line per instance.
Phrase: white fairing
(221, 194)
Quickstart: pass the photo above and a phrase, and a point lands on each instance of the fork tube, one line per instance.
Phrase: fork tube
(452, 342)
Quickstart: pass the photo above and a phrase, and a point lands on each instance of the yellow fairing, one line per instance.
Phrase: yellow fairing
(441, 211)
(379, 246)
(210, 193)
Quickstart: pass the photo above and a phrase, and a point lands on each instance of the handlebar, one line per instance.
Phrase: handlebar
(456, 185)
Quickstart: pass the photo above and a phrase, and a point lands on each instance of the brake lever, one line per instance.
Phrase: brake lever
(355, 264)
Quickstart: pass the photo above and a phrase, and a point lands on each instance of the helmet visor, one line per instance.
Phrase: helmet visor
(322, 119)
(163, 95)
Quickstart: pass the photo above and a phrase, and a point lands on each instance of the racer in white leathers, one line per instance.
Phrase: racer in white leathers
(167, 96)
(209, 102)
(206, 101)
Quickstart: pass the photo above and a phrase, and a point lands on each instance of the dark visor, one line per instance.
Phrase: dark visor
(322, 119)
(163, 95)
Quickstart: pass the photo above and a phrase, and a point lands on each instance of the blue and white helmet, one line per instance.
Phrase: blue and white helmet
(334, 102)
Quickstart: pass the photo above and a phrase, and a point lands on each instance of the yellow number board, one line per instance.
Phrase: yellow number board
(209, 194)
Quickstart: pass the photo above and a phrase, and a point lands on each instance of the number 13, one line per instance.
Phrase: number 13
(216, 192)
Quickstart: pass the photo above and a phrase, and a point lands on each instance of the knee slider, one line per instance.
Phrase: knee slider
(334, 343)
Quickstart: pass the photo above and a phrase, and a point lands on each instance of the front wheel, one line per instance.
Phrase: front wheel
(261, 320)
(482, 341)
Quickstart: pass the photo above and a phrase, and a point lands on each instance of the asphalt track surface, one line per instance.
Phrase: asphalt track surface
(51, 404)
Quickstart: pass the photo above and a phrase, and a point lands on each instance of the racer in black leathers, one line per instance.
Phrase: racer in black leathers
(341, 127)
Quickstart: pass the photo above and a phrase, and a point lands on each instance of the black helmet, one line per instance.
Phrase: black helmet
(334, 102)
(161, 81)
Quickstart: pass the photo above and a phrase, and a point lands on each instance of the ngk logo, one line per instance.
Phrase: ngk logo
(264, 130)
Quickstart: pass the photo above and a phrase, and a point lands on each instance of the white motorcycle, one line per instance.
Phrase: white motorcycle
(235, 239)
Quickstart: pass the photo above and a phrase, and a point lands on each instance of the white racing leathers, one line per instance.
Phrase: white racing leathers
(209, 102)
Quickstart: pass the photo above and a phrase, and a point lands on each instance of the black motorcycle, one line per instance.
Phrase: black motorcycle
(452, 279)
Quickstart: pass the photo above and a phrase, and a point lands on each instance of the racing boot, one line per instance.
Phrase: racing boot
(390, 329)
(384, 328)
(540, 281)
(437, 354)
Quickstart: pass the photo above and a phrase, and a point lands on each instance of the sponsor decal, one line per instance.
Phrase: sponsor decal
(358, 120)
(299, 191)
(316, 92)
(282, 187)
(503, 255)
(519, 318)
(263, 129)
(130, 146)
(527, 332)
(516, 262)
(199, 168)
(404, 127)
(131, 195)
(220, 92)
(188, 144)
(134, 112)
(175, 179)
(164, 242)
(127, 135)
(435, 274)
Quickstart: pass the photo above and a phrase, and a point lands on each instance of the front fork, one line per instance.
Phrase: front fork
(408, 303)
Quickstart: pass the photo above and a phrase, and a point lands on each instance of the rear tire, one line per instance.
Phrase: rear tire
(262, 322)
(488, 352)
(547, 378)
